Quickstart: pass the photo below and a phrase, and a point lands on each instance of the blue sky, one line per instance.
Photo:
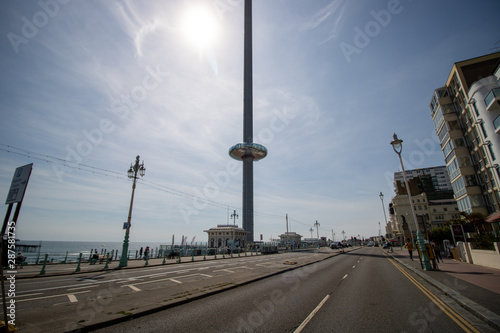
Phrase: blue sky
(95, 83)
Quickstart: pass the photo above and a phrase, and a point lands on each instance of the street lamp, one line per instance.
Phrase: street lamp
(311, 231)
(317, 225)
(131, 173)
(381, 196)
(397, 145)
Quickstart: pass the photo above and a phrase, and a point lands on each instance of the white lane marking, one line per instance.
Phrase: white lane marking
(225, 270)
(72, 298)
(311, 315)
(206, 275)
(27, 295)
(85, 287)
(52, 296)
(134, 288)
(176, 281)
(345, 276)
(354, 266)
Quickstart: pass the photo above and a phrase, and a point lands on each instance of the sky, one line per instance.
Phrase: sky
(86, 86)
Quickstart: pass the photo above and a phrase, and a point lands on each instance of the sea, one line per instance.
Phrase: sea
(69, 251)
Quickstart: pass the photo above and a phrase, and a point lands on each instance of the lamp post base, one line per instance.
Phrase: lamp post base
(426, 264)
(124, 258)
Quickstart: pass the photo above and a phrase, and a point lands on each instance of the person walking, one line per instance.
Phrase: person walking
(146, 253)
(409, 246)
(437, 251)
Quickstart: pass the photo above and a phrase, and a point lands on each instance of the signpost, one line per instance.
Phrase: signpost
(8, 246)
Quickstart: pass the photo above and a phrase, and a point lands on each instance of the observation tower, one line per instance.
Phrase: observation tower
(248, 152)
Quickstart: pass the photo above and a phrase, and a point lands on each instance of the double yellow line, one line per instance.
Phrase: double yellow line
(459, 320)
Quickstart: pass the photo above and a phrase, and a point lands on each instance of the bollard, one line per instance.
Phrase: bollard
(205, 256)
(215, 255)
(180, 254)
(42, 272)
(79, 260)
(245, 252)
(164, 255)
(223, 254)
(192, 256)
(107, 261)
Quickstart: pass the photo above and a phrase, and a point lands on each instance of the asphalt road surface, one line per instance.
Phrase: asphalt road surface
(360, 291)
(65, 303)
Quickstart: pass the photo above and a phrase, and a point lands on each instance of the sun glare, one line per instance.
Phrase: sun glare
(200, 27)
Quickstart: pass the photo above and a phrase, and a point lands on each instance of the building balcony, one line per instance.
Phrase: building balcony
(496, 123)
(492, 100)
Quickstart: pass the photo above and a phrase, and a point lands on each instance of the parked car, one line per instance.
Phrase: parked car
(336, 245)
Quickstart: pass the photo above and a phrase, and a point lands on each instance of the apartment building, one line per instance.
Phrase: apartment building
(432, 198)
(466, 115)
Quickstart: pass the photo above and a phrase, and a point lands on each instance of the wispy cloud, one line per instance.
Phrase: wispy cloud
(328, 18)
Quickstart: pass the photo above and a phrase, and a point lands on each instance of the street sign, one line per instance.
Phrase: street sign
(19, 183)
(125, 225)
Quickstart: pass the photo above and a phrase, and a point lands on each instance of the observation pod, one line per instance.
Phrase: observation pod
(241, 151)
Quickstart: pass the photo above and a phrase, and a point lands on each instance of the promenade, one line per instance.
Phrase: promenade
(474, 287)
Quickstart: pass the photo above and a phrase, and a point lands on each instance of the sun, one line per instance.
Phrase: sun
(200, 26)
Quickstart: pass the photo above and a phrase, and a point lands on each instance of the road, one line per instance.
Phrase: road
(360, 291)
(65, 303)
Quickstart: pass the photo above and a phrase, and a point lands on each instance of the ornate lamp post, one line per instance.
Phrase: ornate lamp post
(317, 226)
(397, 145)
(381, 196)
(132, 173)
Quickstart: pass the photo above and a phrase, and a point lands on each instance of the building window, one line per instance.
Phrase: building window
(491, 153)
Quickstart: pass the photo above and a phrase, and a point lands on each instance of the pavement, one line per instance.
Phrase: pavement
(476, 288)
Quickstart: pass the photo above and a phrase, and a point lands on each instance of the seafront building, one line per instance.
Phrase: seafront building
(290, 239)
(225, 235)
(432, 198)
(466, 116)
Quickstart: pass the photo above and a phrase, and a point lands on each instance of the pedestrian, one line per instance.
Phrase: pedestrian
(409, 246)
(437, 251)
(20, 259)
(140, 252)
(146, 253)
